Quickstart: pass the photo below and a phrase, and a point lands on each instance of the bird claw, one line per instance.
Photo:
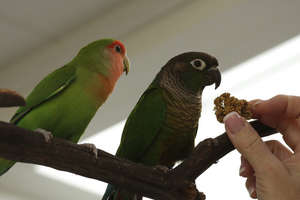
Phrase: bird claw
(47, 134)
(91, 148)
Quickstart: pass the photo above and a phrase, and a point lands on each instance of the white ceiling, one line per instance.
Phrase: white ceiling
(26, 25)
(40, 36)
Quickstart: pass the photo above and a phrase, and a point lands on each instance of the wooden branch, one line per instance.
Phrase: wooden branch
(9, 98)
(31, 147)
(209, 151)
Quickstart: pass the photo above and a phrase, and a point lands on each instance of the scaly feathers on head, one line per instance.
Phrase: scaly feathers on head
(194, 70)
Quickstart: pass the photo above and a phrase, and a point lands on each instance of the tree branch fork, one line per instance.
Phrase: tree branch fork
(27, 146)
(23, 145)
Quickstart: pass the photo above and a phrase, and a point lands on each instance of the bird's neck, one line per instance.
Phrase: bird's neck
(184, 107)
(97, 84)
(176, 87)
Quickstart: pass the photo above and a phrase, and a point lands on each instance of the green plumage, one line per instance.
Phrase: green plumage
(64, 102)
(162, 127)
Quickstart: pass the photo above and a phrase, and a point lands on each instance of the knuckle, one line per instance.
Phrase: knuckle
(252, 146)
(269, 169)
(272, 144)
(279, 96)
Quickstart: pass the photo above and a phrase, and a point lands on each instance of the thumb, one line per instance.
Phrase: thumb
(249, 144)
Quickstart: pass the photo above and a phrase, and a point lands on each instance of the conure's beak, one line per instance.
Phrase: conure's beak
(215, 75)
(126, 64)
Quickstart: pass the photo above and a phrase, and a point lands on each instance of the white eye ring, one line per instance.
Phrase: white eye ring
(198, 64)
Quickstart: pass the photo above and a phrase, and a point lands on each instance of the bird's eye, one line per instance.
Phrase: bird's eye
(118, 48)
(198, 64)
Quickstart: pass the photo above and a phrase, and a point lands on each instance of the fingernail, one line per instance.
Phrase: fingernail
(233, 122)
(251, 191)
(242, 170)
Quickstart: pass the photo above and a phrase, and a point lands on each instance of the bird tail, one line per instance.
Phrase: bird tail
(113, 193)
(5, 165)
(109, 192)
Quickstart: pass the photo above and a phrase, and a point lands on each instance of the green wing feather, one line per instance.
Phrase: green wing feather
(140, 132)
(143, 124)
(49, 87)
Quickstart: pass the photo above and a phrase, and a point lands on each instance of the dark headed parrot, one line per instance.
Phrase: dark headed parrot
(162, 127)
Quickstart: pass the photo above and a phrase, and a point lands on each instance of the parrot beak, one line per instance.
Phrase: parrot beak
(126, 64)
(215, 74)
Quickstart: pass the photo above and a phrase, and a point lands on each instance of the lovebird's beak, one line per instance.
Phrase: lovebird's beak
(126, 64)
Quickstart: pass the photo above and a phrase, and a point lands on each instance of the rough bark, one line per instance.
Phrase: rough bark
(31, 147)
(27, 146)
(10, 98)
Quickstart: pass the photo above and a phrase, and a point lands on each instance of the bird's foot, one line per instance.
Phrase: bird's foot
(91, 148)
(162, 168)
(47, 134)
(191, 192)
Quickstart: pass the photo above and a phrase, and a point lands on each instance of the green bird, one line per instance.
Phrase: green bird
(162, 127)
(66, 100)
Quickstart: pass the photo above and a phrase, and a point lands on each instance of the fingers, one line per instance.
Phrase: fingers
(280, 105)
(281, 112)
(264, 163)
(279, 150)
(276, 148)
(277, 110)
(251, 185)
(291, 134)
(249, 144)
(246, 170)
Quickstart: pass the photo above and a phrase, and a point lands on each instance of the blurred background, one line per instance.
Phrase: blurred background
(256, 43)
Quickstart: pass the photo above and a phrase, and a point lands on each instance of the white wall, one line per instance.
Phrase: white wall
(232, 30)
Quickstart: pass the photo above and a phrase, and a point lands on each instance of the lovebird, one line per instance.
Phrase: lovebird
(162, 127)
(66, 100)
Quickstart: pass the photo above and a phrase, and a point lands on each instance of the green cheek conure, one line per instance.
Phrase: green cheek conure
(66, 100)
(162, 127)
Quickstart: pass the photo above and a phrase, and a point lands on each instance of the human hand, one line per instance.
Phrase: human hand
(272, 170)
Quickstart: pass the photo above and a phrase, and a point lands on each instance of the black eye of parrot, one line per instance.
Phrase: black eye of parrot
(198, 64)
(118, 48)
